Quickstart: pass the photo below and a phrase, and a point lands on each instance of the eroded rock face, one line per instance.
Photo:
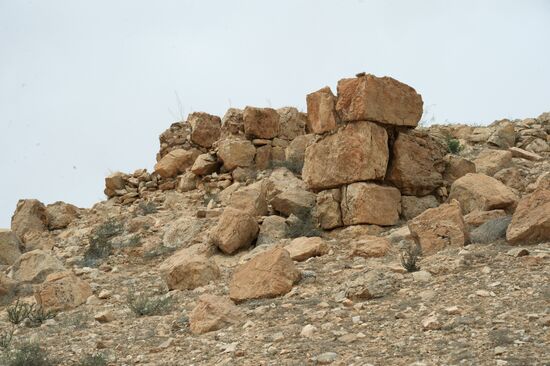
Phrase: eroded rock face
(236, 153)
(262, 123)
(438, 228)
(7, 289)
(232, 122)
(187, 270)
(114, 182)
(491, 161)
(9, 247)
(357, 152)
(292, 123)
(205, 128)
(417, 164)
(30, 217)
(327, 209)
(477, 218)
(236, 229)
(184, 232)
(269, 274)
(273, 229)
(176, 162)
(480, 192)
(384, 100)
(60, 215)
(531, 220)
(303, 248)
(34, 266)
(62, 291)
(369, 203)
(213, 313)
(321, 111)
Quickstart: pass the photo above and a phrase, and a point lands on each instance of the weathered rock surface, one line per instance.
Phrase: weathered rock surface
(296, 151)
(213, 313)
(384, 100)
(477, 191)
(9, 247)
(62, 291)
(236, 153)
(457, 167)
(251, 199)
(374, 284)
(303, 248)
(369, 203)
(371, 247)
(293, 200)
(273, 229)
(60, 215)
(524, 154)
(321, 111)
(34, 266)
(531, 220)
(477, 218)
(504, 135)
(491, 161)
(7, 289)
(187, 269)
(292, 123)
(269, 274)
(412, 206)
(205, 128)
(261, 123)
(236, 229)
(176, 162)
(327, 209)
(232, 122)
(357, 152)
(184, 232)
(204, 164)
(29, 218)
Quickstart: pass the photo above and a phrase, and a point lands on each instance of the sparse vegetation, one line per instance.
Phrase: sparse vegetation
(6, 337)
(410, 256)
(19, 312)
(454, 146)
(39, 315)
(28, 354)
(95, 359)
(147, 304)
(101, 244)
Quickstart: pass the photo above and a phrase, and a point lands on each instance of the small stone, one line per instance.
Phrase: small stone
(518, 252)
(327, 358)
(431, 323)
(104, 294)
(308, 331)
(105, 316)
(483, 293)
(499, 350)
(422, 276)
(452, 310)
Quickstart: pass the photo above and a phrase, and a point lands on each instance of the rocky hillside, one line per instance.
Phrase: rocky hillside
(347, 235)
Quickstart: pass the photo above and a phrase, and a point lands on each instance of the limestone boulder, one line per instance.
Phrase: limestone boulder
(9, 247)
(371, 247)
(29, 218)
(187, 270)
(251, 199)
(357, 152)
(293, 200)
(60, 215)
(438, 228)
(477, 191)
(321, 111)
(384, 100)
(417, 165)
(304, 248)
(456, 167)
(531, 220)
(269, 274)
(491, 161)
(292, 123)
(176, 162)
(236, 229)
(504, 135)
(327, 210)
(369, 203)
(236, 153)
(412, 206)
(214, 313)
(262, 123)
(34, 266)
(62, 291)
(205, 128)
(204, 164)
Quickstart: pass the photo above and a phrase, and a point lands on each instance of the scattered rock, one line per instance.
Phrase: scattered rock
(187, 270)
(29, 218)
(456, 167)
(176, 162)
(412, 206)
(273, 229)
(369, 203)
(531, 220)
(236, 229)
(251, 199)
(62, 291)
(204, 164)
(524, 154)
(213, 313)
(371, 247)
(205, 128)
(491, 161)
(374, 284)
(303, 248)
(34, 266)
(504, 135)
(293, 200)
(477, 218)
(327, 209)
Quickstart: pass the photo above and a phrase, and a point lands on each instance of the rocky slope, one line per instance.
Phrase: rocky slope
(275, 237)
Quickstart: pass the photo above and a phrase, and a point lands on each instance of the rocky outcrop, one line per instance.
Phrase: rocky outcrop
(236, 153)
(205, 128)
(292, 123)
(187, 270)
(29, 218)
(490, 161)
(369, 203)
(176, 162)
(327, 209)
(262, 123)
(236, 229)
(9, 247)
(321, 111)
(531, 220)
(34, 266)
(293, 200)
(62, 291)
(60, 215)
(213, 313)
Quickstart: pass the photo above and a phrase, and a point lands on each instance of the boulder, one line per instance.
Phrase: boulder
(205, 128)
(9, 247)
(321, 111)
(204, 164)
(357, 152)
(280, 180)
(374, 284)
(187, 270)
(531, 220)
(371, 247)
(412, 206)
(438, 228)
(29, 218)
(7, 289)
(327, 209)
(273, 229)
(491, 161)
(261, 123)
(511, 177)
(263, 157)
(60, 215)
(213, 313)
(269, 274)
(62, 291)
(369, 203)
(293, 200)
(477, 218)
(477, 191)
(292, 123)
(176, 162)
(417, 164)
(456, 167)
(384, 100)
(232, 122)
(34, 266)
(187, 182)
(504, 135)
(303, 248)
(251, 199)
(524, 154)
(184, 232)
(236, 153)
(296, 150)
(236, 229)
(113, 183)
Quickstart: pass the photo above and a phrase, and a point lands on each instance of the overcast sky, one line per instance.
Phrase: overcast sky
(86, 87)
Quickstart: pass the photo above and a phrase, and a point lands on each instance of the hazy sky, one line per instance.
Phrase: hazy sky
(86, 87)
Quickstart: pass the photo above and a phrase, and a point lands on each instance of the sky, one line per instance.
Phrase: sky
(86, 87)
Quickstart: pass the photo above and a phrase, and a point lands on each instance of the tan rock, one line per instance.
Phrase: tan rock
(9, 247)
(105, 316)
(251, 199)
(213, 313)
(321, 111)
(176, 162)
(7, 289)
(524, 154)
(375, 284)
(531, 220)
(113, 183)
(205, 128)
(184, 232)
(438, 228)
(357, 152)
(371, 247)
(417, 164)
(491, 161)
(187, 270)
(384, 100)
(511, 177)
(456, 167)
(187, 182)
(60, 215)
(236, 153)
(292, 123)
(369, 203)
(303, 248)
(504, 135)
(263, 157)
(29, 218)
(62, 291)
(280, 180)
(412, 206)
(296, 151)
(273, 229)
(477, 218)
(477, 191)
(34, 266)
(293, 200)
(204, 164)
(269, 274)
(261, 123)
(327, 209)
(236, 229)
(232, 122)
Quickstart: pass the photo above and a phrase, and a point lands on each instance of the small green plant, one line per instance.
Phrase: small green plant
(6, 337)
(410, 256)
(454, 146)
(147, 304)
(147, 208)
(96, 359)
(39, 315)
(100, 240)
(19, 312)
(28, 354)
